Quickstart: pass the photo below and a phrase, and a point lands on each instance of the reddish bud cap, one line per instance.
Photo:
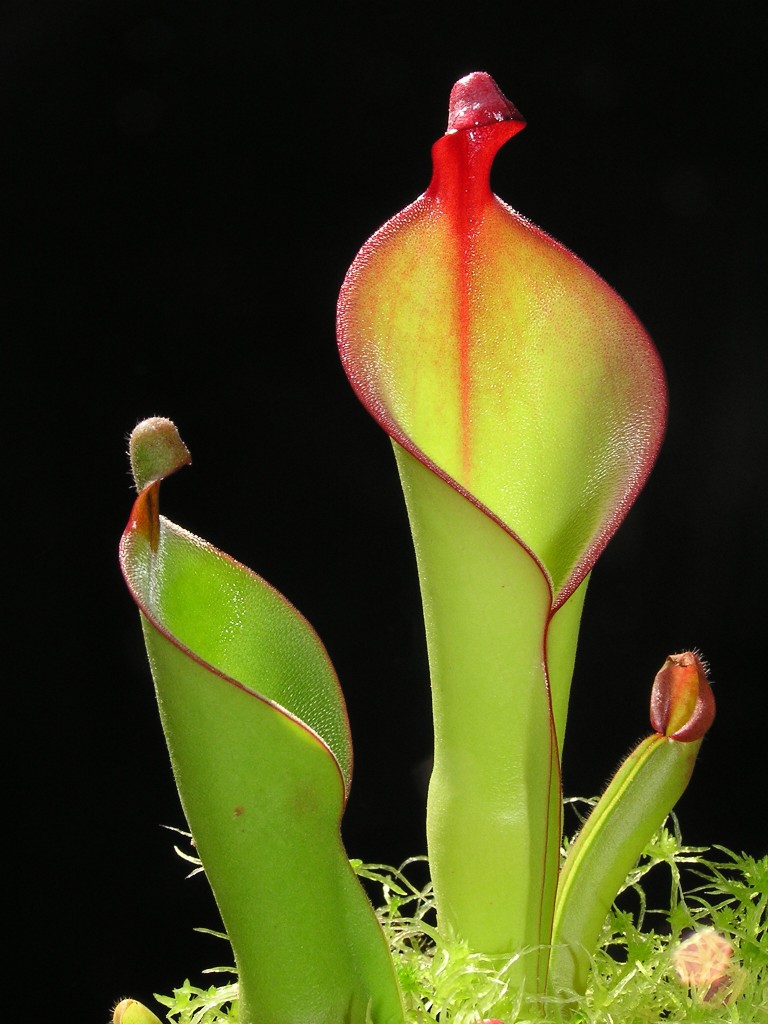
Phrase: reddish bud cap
(682, 702)
(476, 101)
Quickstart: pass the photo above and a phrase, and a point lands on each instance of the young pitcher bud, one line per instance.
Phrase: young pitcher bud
(682, 702)
(131, 1011)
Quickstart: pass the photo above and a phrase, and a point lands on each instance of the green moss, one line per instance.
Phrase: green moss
(192, 1005)
(633, 978)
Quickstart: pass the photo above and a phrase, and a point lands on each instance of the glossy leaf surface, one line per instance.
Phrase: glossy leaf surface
(257, 733)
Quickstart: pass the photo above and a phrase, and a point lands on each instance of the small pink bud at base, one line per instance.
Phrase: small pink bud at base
(703, 962)
(682, 703)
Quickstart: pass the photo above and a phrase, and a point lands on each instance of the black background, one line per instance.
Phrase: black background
(187, 184)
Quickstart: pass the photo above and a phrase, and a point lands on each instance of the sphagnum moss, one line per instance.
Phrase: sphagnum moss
(635, 976)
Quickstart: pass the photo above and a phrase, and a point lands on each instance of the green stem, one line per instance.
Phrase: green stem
(494, 806)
